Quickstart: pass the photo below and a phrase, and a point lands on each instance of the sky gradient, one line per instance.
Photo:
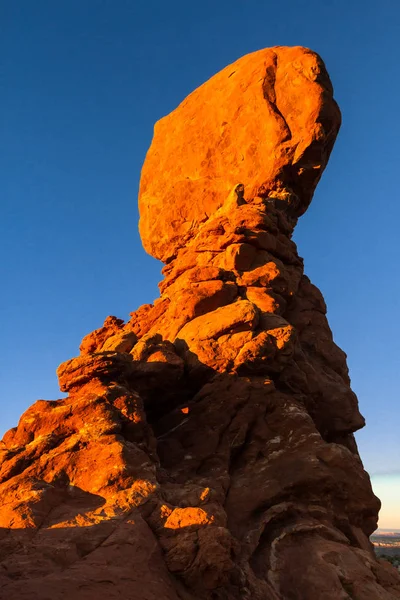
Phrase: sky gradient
(83, 84)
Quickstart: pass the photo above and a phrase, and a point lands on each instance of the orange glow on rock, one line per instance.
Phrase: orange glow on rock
(187, 517)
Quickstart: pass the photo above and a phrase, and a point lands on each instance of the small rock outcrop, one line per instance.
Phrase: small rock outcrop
(205, 450)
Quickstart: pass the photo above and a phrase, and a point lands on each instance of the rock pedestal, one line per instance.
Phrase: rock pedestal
(205, 450)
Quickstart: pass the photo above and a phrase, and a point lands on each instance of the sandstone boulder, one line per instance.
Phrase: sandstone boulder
(267, 121)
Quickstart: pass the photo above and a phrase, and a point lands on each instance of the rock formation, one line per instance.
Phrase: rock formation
(205, 450)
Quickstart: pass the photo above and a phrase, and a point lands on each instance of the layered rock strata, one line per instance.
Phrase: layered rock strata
(205, 450)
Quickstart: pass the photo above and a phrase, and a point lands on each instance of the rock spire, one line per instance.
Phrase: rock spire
(205, 450)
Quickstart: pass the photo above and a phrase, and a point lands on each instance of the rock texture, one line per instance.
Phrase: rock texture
(205, 450)
(268, 120)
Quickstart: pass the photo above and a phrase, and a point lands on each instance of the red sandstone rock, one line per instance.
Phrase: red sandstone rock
(267, 121)
(205, 450)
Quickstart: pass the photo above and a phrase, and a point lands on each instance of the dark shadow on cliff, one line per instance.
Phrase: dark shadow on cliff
(210, 429)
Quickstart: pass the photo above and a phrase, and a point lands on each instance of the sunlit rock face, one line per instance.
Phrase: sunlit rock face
(268, 121)
(205, 450)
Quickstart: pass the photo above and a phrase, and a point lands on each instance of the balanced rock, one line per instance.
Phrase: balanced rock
(268, 121)
(205, 450)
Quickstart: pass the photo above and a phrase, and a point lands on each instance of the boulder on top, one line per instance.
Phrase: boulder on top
(267, 121)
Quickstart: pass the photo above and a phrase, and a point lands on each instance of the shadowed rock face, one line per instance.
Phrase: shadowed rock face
(205, 450)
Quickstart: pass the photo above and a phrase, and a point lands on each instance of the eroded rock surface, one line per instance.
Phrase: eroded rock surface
(205, 450)
(268, 121)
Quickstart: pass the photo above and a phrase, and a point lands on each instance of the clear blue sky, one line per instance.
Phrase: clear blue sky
(83, 83)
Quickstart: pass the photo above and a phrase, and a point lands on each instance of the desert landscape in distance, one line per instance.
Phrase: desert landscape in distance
(387, 545)
(205, 449)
